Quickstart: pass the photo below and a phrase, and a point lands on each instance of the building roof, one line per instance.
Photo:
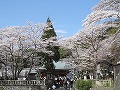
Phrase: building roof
(62, 65)
(58, 65)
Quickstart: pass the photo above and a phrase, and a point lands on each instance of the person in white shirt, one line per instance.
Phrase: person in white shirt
(53, 87)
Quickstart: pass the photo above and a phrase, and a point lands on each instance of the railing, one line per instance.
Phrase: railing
(105, 83)
(21, 82)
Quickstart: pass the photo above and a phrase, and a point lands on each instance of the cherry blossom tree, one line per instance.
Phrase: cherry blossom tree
(104, 11)
(20, 46)
(105, 19)
(95, 41)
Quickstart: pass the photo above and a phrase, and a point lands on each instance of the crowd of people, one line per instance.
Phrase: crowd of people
(60, 82)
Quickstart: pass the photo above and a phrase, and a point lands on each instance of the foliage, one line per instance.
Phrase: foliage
(83, 84)
(19, 47)
(115, 51)
(103, 22)
(49, 35)
(94, 42)
(85, 45)
(46, 62)
(112, 31)
(48, 30)
(64, 52)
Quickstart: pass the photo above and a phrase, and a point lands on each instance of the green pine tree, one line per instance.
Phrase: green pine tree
(47, 34)
(48, 30)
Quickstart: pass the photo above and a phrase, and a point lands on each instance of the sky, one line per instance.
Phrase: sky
(66, 15)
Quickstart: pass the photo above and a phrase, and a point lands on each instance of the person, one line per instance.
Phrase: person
(61, 81)
(55, 82)
(24, 78)
(65, 83)
(49, 84)
(53, 87)
(71, 83)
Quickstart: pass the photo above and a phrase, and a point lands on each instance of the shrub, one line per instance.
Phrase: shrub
(83, 84)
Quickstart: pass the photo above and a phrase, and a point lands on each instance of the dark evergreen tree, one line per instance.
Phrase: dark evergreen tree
(47, 34)
(48, 30)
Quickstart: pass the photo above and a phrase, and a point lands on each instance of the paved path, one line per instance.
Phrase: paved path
(62, 88)
(102, 88)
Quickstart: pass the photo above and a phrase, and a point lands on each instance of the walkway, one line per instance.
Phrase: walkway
(103, 88)
(62, 88)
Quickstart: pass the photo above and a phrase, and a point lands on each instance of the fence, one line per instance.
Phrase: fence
(22, 85)
(21, 82)
(104, 83)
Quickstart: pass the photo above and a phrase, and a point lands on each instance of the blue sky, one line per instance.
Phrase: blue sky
(66, 15)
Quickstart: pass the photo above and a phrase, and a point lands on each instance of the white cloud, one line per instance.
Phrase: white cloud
(61, 31)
